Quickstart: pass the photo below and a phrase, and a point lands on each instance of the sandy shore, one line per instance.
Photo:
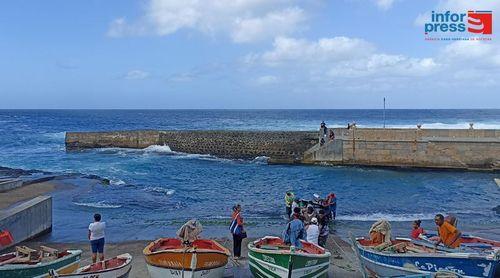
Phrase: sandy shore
(342, 263)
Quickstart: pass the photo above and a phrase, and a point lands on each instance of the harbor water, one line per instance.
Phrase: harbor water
(154, 190)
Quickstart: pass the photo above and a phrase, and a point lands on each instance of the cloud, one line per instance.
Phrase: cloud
(259, 28)
(266, 80)
(459, 6)
(465, 5)
(337, 56)
(324, 50)
(353, 64)
(243, 21)
(384, 4)
(136, 74)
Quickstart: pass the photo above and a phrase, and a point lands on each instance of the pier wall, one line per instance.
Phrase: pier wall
(279, 146)
(9, 184)
(28, 219)
(428, 148)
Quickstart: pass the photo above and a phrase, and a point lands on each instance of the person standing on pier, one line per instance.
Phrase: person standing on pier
(237, 230)
(96, 237)
(323, 130)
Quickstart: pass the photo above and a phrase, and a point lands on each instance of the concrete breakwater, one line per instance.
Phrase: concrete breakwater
(279, 146)
(428, 148)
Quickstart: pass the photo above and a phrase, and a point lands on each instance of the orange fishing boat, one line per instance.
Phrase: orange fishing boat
(169, 257)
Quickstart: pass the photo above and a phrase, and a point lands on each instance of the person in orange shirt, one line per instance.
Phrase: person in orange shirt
(448, 234)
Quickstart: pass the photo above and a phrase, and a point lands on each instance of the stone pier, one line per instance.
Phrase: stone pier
(469, 149)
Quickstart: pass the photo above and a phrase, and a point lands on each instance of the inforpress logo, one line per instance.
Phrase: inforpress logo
(473, 25)
(480, 22)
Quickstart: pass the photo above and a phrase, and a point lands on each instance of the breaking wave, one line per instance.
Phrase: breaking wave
(387, 216)
(116, 182)
(158, 149)
(158, 189)
(100, 204)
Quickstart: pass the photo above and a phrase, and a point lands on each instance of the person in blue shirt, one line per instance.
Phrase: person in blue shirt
(295, 230)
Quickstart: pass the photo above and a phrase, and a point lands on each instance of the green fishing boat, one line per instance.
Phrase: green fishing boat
(38, 263)
(271, 257)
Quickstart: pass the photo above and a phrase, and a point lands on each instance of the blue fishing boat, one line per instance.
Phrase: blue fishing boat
(404, 257)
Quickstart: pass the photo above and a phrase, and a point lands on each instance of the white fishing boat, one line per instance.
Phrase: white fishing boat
(117, 267)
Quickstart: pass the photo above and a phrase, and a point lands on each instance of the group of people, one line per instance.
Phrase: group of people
(447, 232)
(325, 133)
(305, 223)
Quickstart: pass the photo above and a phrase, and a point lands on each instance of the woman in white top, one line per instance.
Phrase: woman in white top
(96, 237)
(312, 231)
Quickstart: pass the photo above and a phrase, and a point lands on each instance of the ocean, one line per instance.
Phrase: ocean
(154, 190)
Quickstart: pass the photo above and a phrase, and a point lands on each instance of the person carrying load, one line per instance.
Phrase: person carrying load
(380, 232)
(289, 198)
(190, 231)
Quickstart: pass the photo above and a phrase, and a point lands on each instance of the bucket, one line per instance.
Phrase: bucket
(5, 238)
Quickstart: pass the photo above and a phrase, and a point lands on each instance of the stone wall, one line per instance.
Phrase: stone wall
(137, 139)
(433, 148)
(27, 220)
(279, 146)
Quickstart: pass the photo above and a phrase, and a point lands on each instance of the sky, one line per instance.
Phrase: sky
(231, 54)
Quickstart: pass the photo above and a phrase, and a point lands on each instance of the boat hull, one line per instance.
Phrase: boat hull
(64, 265)
(121, 271)
(287, 263)
(162, 272)
(204, 258)
(387, 264)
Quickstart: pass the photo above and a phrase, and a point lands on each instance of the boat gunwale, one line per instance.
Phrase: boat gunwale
(457, 255)
(73, 253)
(185, 249)
(127, 263)
(251, 246)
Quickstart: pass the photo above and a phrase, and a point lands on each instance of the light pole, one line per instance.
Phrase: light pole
(384, 112)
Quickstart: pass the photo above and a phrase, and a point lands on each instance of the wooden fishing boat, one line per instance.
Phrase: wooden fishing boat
(271, 257)
(27, 262)
(404, 257)
(117, 267)
(471, 242)
(169, 257)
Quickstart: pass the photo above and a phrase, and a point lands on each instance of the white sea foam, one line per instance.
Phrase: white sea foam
(100, 204)
(56, 135)
(116, 182)
(388, 216)
(260, 160)
(159, 189)
(158, 149)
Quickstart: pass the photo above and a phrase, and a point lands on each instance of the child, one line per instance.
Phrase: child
(417, 230)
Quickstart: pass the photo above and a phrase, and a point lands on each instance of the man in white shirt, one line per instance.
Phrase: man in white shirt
(96, 237)
(312, 231)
